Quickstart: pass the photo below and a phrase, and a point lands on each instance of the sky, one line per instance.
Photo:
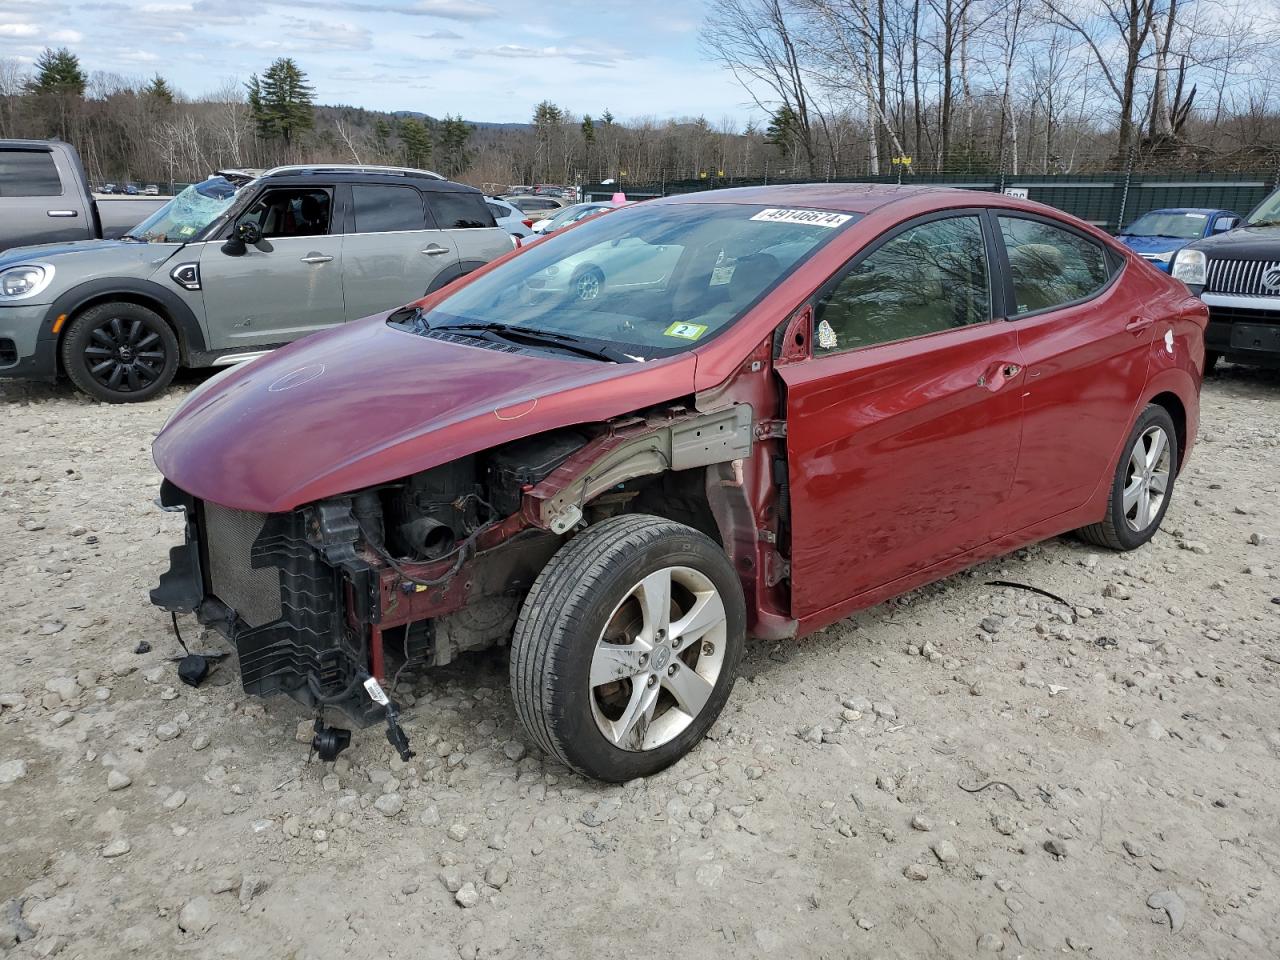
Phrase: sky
(489, 60)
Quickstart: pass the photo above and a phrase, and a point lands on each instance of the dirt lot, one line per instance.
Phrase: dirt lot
(1134, 740)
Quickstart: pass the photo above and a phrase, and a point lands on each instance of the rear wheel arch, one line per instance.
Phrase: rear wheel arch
(1173, 405)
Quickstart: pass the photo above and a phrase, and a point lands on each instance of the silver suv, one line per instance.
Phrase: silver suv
(235, 266)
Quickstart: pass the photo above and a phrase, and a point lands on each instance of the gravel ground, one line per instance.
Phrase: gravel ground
(1128, 746)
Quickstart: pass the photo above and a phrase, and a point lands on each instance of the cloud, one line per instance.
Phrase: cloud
(439, 35)
(453, 9)
(586, 56)
(66, 36)
(18, 29)
(136, 56)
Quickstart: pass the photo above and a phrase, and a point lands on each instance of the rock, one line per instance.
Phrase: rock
(467, 896)
(65, 687)
(1116, 591)
(118, 780)
(921, 823)
(1003, 824)
(857, 704)
(225, 881)
(886, 783)
(1210, 742)
(196, 916)
(451, 877)
(991, 624)
(251, 885)
(330, 783)
(1056, 847)
(430, 817)
(168, 731)
(62, 718)
(458, 832)
(11, 771)
(514, 750)
(755, 773)
(703, 812)
(389, 804)
(916, 871)
(1149, 730)
(1257, 539)
(174, 800)
(200, 742)
(498, 874)
(990, 943)
(116, 848)
(305, 731)
(12, 701)
(1172, 905)
(708, 875)
(1135, 848)
(602, 812)
(885, 711)
(810, 734)
(13, 928)
(946, 851)
(1195, 546)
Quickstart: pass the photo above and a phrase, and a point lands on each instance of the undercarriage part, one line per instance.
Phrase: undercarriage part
(328, 742)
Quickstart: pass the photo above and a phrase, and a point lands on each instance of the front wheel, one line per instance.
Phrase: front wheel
(120, 352)
(588, 284)
(627, 646)
(1142, 485)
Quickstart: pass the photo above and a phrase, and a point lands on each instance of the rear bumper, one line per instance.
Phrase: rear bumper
(1244, 329)
(24, 352)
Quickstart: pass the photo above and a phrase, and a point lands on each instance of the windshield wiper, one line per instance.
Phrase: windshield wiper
(1263, 223)
(565, 341)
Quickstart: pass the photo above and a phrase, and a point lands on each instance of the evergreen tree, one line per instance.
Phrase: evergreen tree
(415, 139)
(281, 101)
(159, 89)
(588, 129)
(783, 126)
(381, 136)
(606, 118)
(58, 71)
(454, 134)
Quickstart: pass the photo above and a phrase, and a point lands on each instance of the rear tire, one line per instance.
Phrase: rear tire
(1211, 358)
(627, 646)
(120, 352)
(1142, 486)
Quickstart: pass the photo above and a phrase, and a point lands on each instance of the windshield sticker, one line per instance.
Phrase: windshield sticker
(686, 331)
(826, 336)
(816, 218)
(1196, 216)
(722, 275)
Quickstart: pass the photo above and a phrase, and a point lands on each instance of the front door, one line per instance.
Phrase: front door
(285, 287)
(903, 427)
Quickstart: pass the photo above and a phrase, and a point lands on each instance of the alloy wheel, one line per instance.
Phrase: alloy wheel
(124, 355)
(658, 658)
(588, 285)
(1146, 480)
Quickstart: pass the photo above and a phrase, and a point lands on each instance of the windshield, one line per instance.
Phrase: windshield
(646, 281)
(1267, 212)
(183, 217)
(1184, 226)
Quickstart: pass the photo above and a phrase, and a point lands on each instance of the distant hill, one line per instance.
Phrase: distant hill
(478, 124)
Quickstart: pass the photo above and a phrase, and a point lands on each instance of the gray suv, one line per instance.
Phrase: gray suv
(233, 267)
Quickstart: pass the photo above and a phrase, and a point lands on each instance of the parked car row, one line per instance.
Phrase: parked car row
(150, 190)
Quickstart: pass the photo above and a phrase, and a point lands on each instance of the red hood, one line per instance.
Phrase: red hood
(365, 403)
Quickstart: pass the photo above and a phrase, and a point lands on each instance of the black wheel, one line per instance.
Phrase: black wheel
(120, 352)
(1142, 486)
(1211, 358)
(627, 646)
(588, 283)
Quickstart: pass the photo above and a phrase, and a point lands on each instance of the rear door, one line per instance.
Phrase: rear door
(41, 198)
(903, 427)
(390, 256)
(1085, 343)
(288, 285)
(465, 219)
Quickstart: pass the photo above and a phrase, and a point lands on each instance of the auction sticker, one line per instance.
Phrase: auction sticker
(816, 218)
(686, 331)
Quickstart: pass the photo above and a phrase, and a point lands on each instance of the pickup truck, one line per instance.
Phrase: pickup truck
(45, 198)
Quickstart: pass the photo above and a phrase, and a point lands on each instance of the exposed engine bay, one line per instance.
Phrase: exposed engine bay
(333, 600)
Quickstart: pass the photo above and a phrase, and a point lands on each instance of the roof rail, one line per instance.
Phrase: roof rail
(351, 168)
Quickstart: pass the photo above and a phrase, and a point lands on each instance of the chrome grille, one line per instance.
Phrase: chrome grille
(229, 536)
(1243, 277)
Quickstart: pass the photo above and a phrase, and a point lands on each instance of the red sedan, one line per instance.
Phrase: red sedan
(624, 449)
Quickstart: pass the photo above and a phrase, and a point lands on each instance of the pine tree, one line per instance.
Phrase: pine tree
(381, 136)
(281, 101)
(58, 71)
(159, 89)
(415, 139)
(454, 134)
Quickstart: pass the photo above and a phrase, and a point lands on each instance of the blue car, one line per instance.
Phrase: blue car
(1158, 235)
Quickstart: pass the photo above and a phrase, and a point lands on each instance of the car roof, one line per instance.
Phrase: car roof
(1204, 210)
(425, 184)
(844, 197)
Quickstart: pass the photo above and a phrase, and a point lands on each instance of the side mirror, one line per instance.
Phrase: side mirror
(245, 234)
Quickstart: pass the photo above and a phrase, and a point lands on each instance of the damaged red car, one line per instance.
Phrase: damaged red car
(621, 451)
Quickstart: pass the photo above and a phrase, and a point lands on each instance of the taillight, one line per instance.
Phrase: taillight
(529, 223)
(518, 242)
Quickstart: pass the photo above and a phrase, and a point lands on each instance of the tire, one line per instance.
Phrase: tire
(120, 352)
(1211, 358)
(1118, 530)
(588, 283)
(582, 683)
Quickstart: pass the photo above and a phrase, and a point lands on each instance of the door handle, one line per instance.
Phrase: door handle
(998, 375)
(434, 250)
(60, 213)
(1138, 324)
(316, 258)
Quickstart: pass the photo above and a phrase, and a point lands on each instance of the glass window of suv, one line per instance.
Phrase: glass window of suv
(927, 279)
(28, 173)
(457, 211)
(1050, 266)
(384, 209)
(292, 212)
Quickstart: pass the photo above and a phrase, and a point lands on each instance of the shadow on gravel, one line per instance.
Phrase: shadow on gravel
(27, 392)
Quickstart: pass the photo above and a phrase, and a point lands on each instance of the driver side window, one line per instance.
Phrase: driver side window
(291, 212)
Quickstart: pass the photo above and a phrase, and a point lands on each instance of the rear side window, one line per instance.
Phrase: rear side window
(927, 279)
(497, 211)
(456, 211)
(1050, 267)
(382, 209)
(28, 173)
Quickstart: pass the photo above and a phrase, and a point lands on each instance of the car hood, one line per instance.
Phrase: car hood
(1140, 244)
(90, 258)
(1243, 243)
(366, 403)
